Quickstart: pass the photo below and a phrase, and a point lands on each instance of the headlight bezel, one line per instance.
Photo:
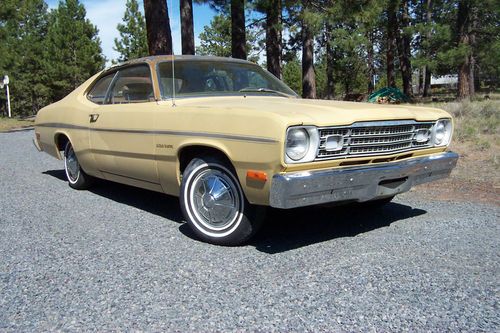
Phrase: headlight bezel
(311, 145)
(442, 139)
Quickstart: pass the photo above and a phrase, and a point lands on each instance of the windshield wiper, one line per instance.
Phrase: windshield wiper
(265, 90)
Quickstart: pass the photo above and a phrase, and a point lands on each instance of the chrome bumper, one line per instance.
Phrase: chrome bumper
(305, 188)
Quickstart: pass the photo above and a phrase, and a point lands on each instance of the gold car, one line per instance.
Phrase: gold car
(229, 138)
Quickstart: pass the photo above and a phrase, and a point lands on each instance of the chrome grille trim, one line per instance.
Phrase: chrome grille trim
(374, 138)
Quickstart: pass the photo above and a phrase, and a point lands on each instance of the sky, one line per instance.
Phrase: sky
(106, 14)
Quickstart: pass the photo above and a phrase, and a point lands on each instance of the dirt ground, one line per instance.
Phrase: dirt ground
(476, 177)
(455, 189)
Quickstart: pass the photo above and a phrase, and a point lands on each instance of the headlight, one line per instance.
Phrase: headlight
(297, 143)
(442, 132)
(301, 144)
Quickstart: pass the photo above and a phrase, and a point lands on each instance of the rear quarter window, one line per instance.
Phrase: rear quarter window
(98, 93)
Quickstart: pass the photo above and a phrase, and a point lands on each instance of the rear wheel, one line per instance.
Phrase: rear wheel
(214, 205)
(77, 178)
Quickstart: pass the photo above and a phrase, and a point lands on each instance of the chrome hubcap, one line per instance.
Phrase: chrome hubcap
(215, 199)
(72, 166)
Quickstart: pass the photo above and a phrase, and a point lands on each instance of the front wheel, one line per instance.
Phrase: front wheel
(77, 178)
(214, 205)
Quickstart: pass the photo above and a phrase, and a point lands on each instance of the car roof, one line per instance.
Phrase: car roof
(160, 58)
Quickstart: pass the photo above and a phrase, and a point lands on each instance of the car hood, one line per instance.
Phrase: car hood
(313, 112)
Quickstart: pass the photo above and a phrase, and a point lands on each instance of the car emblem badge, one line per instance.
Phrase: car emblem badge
(334, 142)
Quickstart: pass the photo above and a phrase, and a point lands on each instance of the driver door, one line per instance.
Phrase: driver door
(121, 129)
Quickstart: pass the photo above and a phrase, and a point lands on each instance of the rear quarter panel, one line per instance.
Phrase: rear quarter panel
(68, 117)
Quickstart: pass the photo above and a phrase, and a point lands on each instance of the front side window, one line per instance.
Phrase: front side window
(132, 85)
(206, 78)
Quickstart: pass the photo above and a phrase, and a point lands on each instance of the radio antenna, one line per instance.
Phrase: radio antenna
(173, 55)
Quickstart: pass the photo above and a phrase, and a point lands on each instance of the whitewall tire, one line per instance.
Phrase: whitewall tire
(214, 204)
(77, 178)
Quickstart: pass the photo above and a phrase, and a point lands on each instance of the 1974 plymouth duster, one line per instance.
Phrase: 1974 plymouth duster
(229, 138)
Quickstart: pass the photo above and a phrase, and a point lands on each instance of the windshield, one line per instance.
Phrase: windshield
(218, 78)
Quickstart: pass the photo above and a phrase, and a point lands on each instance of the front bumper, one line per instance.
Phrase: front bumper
(305, 188)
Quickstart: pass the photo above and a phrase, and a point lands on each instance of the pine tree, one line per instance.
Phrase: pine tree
(22, 45)
(215, 39)
(308, 74)
(272, 9)
(428, 34)
(235, 10)
(434, 38)
(403, 38)
(238, 34)
(187, 29)
(292, 75)
(158, 27)
(487, 45)
(8, 24)
(310, 23)
(133, 41)
(73, 48)
(468, 43)
(347, 41)
(391, 41)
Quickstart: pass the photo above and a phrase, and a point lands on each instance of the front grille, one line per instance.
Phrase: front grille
(374, 138)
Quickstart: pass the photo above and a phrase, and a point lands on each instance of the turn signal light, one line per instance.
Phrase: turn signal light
(257, 175)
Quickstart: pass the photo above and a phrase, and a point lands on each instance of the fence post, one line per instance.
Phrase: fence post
(8, 100)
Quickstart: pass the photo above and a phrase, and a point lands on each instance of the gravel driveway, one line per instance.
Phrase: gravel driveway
(120, 258)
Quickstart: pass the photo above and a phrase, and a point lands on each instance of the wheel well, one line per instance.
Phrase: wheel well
(188, 153)
(61, 141)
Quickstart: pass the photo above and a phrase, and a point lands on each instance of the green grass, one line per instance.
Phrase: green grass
(476, 121)
(7, 124)
(476, 137)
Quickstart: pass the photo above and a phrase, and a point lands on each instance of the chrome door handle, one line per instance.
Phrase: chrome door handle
(93, 117)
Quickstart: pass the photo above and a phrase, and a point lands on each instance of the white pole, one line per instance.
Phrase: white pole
(8, 100)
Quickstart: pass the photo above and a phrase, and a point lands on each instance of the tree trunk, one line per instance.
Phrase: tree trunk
(187, 30)
(347, 89)
(238, 37)
(477, 80)
(404, 51)
(391, 29)
(158, 27)
(463, 80)
(330, 83)
(463, 39)
(472, 58)
(308, 75)
(472, 65)
(421, 73)
(371, 64)
(427, 70)
(427, 82)
(273, 37)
